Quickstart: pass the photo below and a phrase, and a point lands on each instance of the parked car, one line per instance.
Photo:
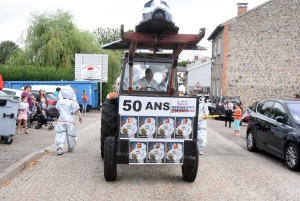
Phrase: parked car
(246, 115)
(52, 100)
(217, 107)
(274, 126)
(13, 92)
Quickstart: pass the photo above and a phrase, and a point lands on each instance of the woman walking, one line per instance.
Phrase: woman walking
(85, 98)
(23, 109)
(228, 109)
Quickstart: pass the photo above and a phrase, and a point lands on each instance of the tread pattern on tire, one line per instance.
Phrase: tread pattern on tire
(189, 172)
(109, 122)
(110, 165)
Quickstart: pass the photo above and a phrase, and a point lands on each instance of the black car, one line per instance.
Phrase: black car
(52, 100)
(274, 126)
(217, 106)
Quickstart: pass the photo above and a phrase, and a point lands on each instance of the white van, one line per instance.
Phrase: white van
(46, 88)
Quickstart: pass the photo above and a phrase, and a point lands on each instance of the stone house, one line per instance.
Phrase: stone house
(256, 55)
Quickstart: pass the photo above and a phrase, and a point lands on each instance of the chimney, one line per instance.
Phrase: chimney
(242, 8)
(195, 57)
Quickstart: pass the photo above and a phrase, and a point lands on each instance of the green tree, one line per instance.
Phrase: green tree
(107, 35)
(183, 63)
(52, 39)
(7, 48)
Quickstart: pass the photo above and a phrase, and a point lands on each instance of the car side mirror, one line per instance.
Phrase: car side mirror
(250, 107)
(279, 119)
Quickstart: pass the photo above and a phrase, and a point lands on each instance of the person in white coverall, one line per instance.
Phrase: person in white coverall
(130, 127)
(140, 152)
(149, 126)
(167, 127)
(185, 127)
(65, 127)
(158, 151)
(175, 153)
(201, 130)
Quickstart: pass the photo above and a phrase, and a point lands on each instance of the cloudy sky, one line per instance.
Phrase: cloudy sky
(188, 15)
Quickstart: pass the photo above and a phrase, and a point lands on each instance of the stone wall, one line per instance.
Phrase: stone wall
(264, 52)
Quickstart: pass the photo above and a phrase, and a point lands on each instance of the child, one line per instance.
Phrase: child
(23, 109)
(237, 119)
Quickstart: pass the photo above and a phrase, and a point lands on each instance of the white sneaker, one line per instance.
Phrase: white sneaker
(60, 151)
(70, 149)
(200, 151)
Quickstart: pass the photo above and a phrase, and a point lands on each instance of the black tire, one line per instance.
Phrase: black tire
(189, 172)
(2, 138)
(9, 140)
(292, 157)
(109, 122)
(241, 123)
(110, 165)
(251, 142)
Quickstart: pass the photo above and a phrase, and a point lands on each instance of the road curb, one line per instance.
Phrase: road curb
(10, 172)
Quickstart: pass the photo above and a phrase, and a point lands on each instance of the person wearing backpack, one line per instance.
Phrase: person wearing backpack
(85, 98)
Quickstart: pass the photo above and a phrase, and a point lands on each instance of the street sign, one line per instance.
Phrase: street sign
(197, 86)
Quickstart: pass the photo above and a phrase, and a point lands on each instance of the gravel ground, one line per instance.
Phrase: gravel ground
(226, 172)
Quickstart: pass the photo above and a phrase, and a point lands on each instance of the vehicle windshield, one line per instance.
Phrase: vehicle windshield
(233, 100)
(295, 111)
(147, 76)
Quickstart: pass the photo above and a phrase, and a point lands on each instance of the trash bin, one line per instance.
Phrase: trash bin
(8, 114)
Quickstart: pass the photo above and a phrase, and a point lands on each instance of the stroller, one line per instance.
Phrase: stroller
(42, 119)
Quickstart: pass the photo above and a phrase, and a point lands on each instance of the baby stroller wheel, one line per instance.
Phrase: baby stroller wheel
(38, 126)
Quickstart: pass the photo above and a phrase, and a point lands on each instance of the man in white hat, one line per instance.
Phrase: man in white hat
(65, 127)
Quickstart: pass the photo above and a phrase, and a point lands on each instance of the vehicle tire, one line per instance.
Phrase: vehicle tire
(2, 138)
(110, 165)
(9, 139)
(189, 172)
(251, 143)
(292, 157)
(109, 122)
(241, 123)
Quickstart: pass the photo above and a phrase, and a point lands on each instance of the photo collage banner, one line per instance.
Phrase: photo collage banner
(156, 127)
(156, 152)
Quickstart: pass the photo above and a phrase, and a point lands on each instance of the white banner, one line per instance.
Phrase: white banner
(142, 106)
(90, 72)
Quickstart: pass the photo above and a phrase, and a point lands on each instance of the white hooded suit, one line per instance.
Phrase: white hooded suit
(65, 127)
(130, 127)
(149, 127)
(176, 153)
(140, 153)
(201, 130)
(168, 128)
(159, 153)
(185, 128)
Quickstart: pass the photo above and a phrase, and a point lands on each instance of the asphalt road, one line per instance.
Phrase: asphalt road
(227, 171)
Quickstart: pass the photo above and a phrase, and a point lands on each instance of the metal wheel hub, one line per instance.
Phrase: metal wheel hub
(250, 140)
(291, 156)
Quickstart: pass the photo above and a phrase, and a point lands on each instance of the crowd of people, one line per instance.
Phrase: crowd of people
(67, 106)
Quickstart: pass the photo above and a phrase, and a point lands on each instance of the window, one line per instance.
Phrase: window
(264, 108)
(277, 111)
(219, 46)
(294, 109)
(160, 73)
(215, 48)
